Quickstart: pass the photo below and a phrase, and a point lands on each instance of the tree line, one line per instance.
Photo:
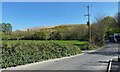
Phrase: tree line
(100, 30)
(62, 32)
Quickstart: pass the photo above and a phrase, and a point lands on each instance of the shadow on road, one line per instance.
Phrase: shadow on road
(105, 53)
(103, 61)
(110, 49)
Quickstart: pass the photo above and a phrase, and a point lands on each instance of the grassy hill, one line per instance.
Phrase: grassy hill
(64, 26)
(60, 32)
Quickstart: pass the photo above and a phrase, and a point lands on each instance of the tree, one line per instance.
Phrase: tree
(6, 28)
(102, 28)
(55, 35)
(110, 25)
(117, 18)
(40, 35)
(98, 30)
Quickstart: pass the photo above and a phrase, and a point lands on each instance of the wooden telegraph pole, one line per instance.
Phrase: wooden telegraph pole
(88, 23)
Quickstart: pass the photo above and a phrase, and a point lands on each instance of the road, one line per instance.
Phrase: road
(97, 60)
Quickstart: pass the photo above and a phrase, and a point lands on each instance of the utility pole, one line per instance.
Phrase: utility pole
(88, 23)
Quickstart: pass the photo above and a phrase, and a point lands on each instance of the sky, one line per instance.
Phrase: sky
(22, 15)
(60, 0)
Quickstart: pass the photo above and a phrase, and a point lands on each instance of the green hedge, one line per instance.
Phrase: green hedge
(22, 52)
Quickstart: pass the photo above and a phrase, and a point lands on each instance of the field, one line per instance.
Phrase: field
(20, 52)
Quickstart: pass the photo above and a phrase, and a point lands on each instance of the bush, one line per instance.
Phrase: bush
(22, 52)
(89, 46)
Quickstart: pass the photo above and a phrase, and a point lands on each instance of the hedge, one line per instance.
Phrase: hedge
(23, 52)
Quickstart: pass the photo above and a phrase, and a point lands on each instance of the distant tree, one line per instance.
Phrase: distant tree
(102, 28)
(55, 35)
(40, 35)
(98, 32)
(110, 25)
(6, 28)
(117, 18)
(78, 32)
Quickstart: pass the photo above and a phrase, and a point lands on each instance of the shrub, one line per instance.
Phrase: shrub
(22, 52)
(90, 46)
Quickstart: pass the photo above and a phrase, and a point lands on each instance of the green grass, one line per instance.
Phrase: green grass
(80, 44)
(70, 42)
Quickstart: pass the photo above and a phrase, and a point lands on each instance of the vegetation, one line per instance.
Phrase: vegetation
(101, 29)
(63, 32)
(6, 28)
(28, 51)
(22, 47)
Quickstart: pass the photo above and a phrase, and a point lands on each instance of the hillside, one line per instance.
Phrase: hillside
(53, 27)
(60, 32)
